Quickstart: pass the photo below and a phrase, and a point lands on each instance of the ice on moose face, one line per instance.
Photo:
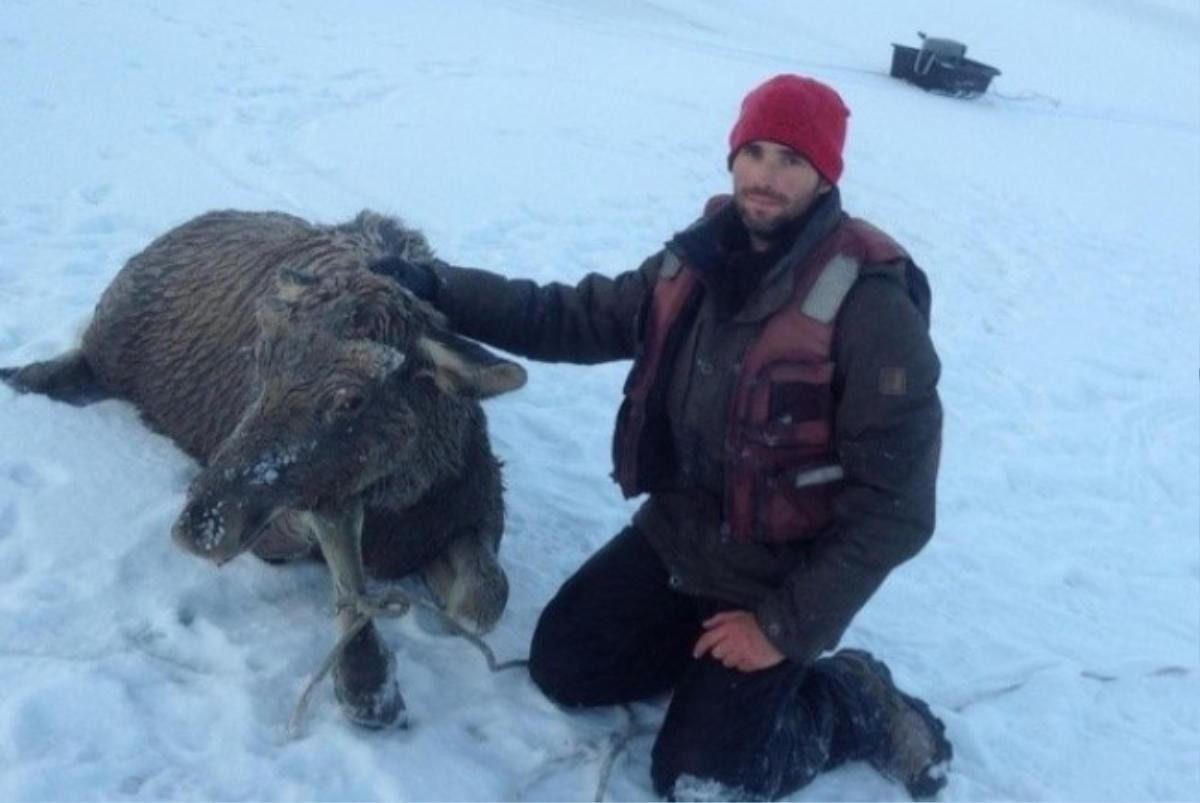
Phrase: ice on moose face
(211, 530)
(265, 470)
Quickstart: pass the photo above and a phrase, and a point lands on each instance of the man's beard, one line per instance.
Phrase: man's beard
(771, 226)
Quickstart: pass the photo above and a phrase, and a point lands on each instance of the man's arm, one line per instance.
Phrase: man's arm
(594, 321)
(888, 433)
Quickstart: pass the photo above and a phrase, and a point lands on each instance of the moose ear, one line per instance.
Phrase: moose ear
(272, 312)
(463, 367)
(290, 284)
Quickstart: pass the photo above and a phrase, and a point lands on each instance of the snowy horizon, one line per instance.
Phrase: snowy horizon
(1053, 622)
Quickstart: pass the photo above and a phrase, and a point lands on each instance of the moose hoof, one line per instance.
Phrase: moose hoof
(478, 612)
(365, 685)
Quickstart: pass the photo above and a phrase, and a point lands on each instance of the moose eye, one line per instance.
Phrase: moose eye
(347, 402)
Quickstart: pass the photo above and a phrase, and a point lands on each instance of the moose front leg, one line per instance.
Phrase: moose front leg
(363, 677)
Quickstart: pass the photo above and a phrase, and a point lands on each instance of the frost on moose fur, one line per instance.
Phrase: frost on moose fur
(331, 410)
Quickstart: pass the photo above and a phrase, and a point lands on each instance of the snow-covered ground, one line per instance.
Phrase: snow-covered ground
(1053, 622)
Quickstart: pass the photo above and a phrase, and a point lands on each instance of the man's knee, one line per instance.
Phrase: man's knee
(765, 770)
(690, 770)
(730, 735)
(554, 662)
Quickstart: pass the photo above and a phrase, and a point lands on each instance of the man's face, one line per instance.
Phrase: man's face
(772, 186)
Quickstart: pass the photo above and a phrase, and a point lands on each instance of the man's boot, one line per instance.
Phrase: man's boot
(913, 748)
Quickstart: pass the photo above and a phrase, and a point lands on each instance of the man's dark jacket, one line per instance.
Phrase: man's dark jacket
(887, 416)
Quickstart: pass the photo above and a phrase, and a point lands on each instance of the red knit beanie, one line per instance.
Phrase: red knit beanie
(803, 114)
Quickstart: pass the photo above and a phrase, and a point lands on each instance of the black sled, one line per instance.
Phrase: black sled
(941, 65)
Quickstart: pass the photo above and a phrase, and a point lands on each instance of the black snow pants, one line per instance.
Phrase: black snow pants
(616, 632)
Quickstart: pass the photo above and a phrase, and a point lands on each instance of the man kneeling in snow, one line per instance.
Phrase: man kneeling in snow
(782, 415)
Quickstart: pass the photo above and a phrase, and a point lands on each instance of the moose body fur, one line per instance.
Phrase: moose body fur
(330, 409)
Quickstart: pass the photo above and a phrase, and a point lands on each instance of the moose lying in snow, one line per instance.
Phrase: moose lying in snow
(331, 411)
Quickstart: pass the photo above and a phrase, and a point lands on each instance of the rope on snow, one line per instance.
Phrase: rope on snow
(395, 603)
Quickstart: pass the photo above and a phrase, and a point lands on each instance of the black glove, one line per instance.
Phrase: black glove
(418, 278)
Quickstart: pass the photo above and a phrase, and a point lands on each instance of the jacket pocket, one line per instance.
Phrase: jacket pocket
(793, 406)
(790, 444)
(794, 500)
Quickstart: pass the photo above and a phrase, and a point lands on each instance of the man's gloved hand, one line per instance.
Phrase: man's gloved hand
(418, 279)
